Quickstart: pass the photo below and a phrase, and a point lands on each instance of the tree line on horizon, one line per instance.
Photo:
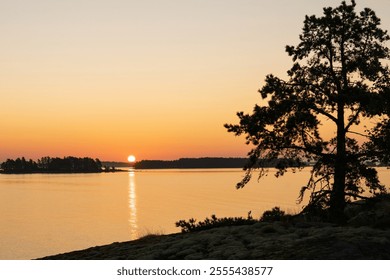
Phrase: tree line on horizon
(52, 165)
(206, 162)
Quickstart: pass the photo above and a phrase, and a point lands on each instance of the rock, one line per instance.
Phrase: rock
(267, 241)
(195, 256)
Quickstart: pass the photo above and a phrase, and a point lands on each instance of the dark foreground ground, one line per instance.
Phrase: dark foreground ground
(278, 240)
(366, 236)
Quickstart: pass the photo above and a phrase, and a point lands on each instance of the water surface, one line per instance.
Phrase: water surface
(45, 214)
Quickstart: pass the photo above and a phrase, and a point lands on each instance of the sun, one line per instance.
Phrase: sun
(131, 158)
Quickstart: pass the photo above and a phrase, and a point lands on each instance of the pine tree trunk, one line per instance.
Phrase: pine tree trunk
(337, 199)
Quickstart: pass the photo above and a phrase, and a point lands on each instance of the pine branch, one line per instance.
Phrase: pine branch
(354, 118)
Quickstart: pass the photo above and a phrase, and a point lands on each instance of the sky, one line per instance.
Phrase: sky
(152, 78)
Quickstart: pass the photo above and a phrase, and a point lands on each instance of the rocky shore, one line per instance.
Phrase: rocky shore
(366, 235)
(277, 240)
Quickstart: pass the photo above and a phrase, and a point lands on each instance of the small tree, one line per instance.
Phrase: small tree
(339, 77)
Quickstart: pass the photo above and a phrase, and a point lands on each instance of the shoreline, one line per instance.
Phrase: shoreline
(142, 169)
(81, 172)
(262, 240)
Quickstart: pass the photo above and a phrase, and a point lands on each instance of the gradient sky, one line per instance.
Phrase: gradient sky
(153, 78)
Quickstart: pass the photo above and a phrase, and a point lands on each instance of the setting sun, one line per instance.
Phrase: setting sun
(131, 158)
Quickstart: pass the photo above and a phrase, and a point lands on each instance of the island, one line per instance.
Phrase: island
(52, 165)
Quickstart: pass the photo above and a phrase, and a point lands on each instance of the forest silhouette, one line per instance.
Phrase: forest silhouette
(52, 165)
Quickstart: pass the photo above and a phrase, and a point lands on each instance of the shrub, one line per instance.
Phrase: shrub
(275, 214)
(191, 225)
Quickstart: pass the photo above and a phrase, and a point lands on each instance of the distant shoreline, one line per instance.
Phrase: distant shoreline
(210, 162)
(63, 172)
(182, 163)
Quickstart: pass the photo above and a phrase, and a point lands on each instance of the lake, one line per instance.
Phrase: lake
(46, 214)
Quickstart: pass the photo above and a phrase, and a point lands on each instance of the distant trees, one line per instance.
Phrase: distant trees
(340, 76)
(19, 165)
(52, 165)
(207, 162)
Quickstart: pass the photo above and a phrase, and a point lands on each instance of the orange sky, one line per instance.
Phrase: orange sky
(157, 79)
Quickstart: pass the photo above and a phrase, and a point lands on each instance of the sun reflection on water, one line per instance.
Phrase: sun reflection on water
(133, 206)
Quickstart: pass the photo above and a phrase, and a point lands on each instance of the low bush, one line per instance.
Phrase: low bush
(192, 225)
(273, 215)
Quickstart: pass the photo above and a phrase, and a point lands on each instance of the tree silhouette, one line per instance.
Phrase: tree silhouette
(339, 77)
(52, 165)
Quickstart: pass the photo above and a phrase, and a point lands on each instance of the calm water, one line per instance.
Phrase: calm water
(45, 214)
